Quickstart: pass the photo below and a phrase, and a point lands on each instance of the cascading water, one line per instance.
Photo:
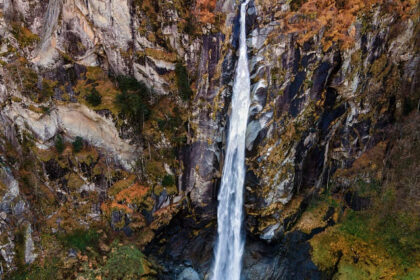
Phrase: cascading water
(230, 242)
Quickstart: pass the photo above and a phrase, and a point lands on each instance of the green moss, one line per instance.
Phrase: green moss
(371, 188)
(125, 262)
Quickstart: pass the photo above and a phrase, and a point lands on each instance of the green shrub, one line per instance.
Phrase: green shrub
(80, 239)
(133, 101)
(127, 83)
(168, 180)
(125, 262)
(59, 144)
(78, 144)
(182, 81)
(94, 98)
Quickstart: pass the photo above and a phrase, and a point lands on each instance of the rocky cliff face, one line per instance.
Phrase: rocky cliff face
(113, 128)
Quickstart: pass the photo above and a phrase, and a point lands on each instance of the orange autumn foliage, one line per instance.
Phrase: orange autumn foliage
(337, 17)
(136, 193)
(204, 11)
(133, 194)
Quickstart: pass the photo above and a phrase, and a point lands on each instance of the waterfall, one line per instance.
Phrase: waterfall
(230, 241)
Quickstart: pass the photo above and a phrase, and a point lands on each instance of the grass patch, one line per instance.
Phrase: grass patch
(80, 239)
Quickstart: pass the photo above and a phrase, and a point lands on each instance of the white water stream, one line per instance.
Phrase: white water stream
(230, 240)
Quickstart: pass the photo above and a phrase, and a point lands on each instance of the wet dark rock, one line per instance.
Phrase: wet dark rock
(330, 212)
(356, 202)
(116, 218)
(289, 259)
(320, 77)
(127, 231)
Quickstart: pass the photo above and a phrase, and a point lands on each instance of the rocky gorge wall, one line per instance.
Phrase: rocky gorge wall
(334, 86)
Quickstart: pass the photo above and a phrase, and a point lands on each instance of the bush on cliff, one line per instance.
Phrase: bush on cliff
(59, 144)
(182, 81)
(168, 181)
(94, 98)
(77, 144)
(133, 101)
